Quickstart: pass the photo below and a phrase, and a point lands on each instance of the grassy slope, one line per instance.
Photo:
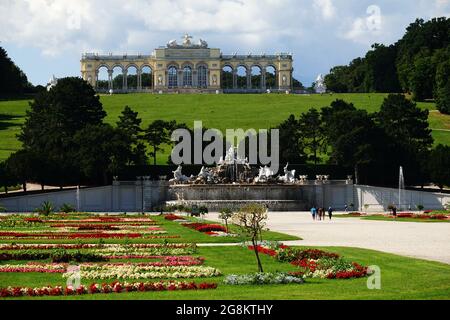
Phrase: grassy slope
(402, 278)
(216, 111)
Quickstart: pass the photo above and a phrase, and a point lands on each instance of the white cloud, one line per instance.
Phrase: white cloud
(326, 8)
(321, 33)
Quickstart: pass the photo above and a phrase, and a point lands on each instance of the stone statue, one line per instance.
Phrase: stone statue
(172, 44)
(203, 44)
(187, 40)
(52, 82)
(205, 176)
(265, 175)
(320, 86)
(289, 176)
(178, 176)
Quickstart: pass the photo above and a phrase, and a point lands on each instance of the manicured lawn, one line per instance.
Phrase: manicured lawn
(216, 111)
(380, 218)
(401, 278)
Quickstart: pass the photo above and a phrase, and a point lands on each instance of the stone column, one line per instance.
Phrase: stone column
(110, 79)
(194, 78)
(263, 79)
(125, 80)
(234, 79)
(139, 80)
(180, 78)
(96, 79)
(249, 78)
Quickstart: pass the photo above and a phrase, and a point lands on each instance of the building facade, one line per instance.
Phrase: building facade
(189, 67)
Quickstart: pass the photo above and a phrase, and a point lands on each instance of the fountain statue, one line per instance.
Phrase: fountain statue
(265, 175)
(179, 177)
(289, 176)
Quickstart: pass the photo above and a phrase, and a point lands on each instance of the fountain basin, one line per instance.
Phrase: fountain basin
(216, 197)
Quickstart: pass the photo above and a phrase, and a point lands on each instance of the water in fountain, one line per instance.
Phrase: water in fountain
(401, 187)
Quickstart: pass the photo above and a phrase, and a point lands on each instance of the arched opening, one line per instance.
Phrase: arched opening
(173, 77)
(146, 78)
(102, 78)
(202, 76)
(241, 73)
(117, 76)
(132, 78)
(271, 77)
(256, 77)
(187, 76)
(227, 77)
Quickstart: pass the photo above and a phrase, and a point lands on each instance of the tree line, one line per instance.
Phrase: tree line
(66, 141)
(418, 64)
(13, 81)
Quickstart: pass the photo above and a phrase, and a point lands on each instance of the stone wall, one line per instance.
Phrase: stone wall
(134, 195)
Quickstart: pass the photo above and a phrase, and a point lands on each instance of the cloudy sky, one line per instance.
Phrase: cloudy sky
(47, 37)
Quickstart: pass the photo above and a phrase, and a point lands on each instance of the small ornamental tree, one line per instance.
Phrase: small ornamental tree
(225, 215)
(251, 220)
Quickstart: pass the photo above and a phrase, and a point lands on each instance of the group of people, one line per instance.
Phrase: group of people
(319, 213)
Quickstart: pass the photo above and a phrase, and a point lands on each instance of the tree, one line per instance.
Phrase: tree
(6, 179)
(443, 87)
(54, 119)
(251, 219)
(226, 214)
(291, 147)
(101, 151)
(130, 125)
(157, 134)
(13, 81)
(311, 130)
(439, 166)
(405, 123)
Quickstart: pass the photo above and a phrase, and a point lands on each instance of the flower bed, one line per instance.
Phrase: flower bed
(314, 263)
(262, 279)
(115, 287)
(209, 229)
(173, 217)
(129, 271)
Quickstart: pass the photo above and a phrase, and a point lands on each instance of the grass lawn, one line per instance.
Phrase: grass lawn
(401, 278)
(216, 111)
(380, 218)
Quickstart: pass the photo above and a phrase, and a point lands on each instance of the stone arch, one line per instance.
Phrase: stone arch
(241, 76)
(118, 79)
(201, 75)
(271, 77)
(188, 75)
(228, 77)
(172, 76)
(102, 81)
(131, 74)
(256, 74)
(146, 78)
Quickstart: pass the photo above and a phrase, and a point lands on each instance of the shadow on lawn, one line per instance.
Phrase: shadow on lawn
(5, 121)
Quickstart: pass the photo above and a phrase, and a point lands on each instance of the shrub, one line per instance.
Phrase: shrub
(67, 208)
(46, 208)
(438, 217)
(420, 207)
(405, 215)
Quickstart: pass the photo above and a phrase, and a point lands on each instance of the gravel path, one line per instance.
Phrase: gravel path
(429, 241)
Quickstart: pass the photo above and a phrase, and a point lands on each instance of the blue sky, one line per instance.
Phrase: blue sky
(46, 37)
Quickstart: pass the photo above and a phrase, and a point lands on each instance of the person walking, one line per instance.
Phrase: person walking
(330, 212)
(313, 212)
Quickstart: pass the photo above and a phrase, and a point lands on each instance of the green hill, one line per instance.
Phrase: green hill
(216, 111)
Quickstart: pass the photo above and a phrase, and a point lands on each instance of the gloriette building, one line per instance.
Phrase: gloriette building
(188, 67)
